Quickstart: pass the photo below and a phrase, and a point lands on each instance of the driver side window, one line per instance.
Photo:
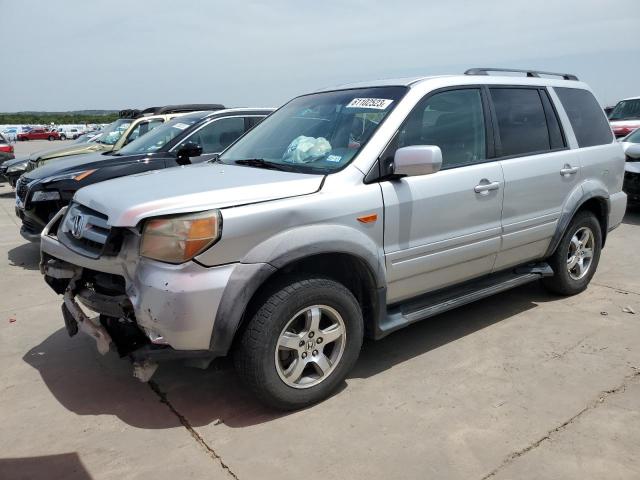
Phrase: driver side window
(454, 121)
(217, 135)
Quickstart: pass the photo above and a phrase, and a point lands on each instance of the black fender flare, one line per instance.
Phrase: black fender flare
(277, 252)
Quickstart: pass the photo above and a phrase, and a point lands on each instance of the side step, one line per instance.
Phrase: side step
(440, 301)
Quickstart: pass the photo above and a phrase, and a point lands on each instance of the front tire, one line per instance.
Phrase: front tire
(576, 258)
(51, 138)
(63, 137)
(301, 342)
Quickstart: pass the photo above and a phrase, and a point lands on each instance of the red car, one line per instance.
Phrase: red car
(39, 134)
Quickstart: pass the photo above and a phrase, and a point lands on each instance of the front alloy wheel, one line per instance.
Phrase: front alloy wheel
(301, 342)
(310, 346)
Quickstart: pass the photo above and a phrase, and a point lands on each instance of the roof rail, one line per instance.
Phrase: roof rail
(191, 107)
(530, 73)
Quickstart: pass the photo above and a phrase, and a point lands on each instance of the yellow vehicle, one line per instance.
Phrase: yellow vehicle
(131, 125)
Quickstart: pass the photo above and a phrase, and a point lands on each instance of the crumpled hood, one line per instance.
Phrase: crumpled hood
(192, 188)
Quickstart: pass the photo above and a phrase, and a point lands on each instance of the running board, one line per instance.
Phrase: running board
(440, 301)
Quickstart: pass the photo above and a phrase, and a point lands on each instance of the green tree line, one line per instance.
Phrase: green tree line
(56, 118)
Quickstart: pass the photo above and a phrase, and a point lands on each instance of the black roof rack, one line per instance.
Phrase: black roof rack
(530, 73)
(190, 107)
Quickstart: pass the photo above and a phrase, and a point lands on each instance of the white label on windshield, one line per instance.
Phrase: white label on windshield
(181, 126)
(334, 158)
(377, 103)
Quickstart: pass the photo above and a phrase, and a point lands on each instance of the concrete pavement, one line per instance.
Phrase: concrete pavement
(521, 385)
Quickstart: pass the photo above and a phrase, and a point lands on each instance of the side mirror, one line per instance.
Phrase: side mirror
(633, 151)
(188, 150)
(417, 160)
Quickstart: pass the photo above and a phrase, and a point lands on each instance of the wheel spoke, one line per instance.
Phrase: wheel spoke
(294, 372)
(580, 266)
(572, 262)
(289, 340)
(331, 334)
(322, 364)
(575, 242)
(313, 319)
(588, 252)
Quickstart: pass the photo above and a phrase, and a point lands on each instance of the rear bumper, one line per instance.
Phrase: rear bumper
(617, 207)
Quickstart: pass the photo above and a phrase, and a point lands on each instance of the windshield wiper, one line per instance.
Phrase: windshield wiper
(262, 163)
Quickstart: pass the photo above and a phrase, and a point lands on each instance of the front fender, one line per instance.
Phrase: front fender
(275, 253)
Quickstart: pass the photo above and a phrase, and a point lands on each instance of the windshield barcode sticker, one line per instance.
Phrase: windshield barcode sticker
(377, 103)
(181, 126)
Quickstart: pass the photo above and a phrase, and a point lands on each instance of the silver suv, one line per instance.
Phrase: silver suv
(348, 212)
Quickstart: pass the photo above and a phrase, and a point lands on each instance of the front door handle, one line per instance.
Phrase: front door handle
(568, 170)
(486, 187)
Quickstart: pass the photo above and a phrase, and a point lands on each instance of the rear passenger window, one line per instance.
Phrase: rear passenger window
(452, 120)
(522, 123)
(587, 118)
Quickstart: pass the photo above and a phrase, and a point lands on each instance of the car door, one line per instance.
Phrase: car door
(215, 136)
(444, 228)
(539, 171)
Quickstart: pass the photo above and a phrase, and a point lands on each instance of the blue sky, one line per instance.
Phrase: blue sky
(78, 54)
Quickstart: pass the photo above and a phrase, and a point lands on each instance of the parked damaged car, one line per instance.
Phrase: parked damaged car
(192, 138)
(348, 212)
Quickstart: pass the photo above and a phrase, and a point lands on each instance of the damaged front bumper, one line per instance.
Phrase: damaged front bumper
(149, 310)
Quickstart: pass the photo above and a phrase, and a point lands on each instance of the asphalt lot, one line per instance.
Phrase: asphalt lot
(522, 385)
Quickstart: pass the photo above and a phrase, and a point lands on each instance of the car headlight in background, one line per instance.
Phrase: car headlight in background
(18, 167)
(42, 196)
(177, 239)
(77, 176)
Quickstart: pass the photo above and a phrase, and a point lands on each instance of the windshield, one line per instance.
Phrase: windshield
(626, 110)
(633, 137)
(114, 131)
(318, 133)
(160, 136)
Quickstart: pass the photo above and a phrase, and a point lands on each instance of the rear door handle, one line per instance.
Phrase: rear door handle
(486, 187)
(568, 170)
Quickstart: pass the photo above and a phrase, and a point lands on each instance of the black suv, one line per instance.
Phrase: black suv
(192, 138)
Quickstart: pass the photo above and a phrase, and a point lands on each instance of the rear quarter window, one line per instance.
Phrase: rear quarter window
(586, 116)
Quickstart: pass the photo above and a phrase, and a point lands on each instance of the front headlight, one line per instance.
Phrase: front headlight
(18, 167)
(45, 196)
(177, 239)
(77, 176)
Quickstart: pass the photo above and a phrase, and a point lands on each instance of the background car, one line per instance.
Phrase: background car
(625, 117)
(192, 138)
(121, 132)
(88, 137)
(39, 134)
(6, 149)
(11, 170)
(631, 185)
(69, 133)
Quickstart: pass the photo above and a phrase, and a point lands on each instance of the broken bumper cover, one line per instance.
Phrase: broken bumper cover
(174, 305)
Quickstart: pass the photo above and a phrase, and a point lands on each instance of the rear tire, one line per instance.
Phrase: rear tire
(301, 342)
(576, 258)
(51, 138)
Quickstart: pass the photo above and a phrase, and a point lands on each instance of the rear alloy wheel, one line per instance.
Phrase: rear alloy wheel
(575, 260)
(300, 344)
(51, 138)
